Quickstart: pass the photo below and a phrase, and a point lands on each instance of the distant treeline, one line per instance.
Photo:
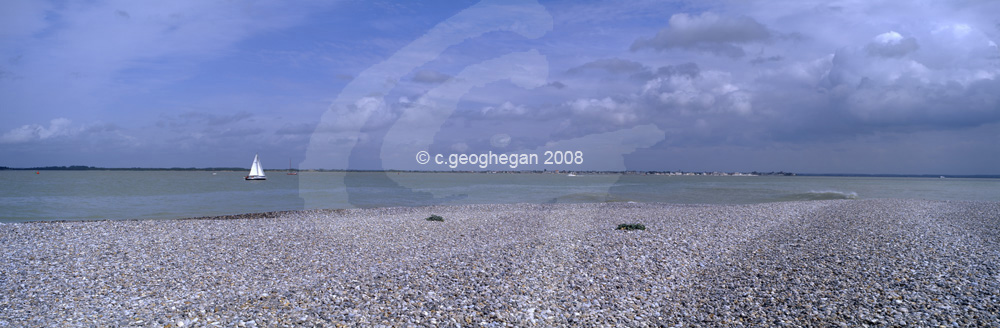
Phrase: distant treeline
(858, 175)
(94, 168)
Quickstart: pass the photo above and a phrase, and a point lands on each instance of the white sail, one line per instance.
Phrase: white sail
(256, 170)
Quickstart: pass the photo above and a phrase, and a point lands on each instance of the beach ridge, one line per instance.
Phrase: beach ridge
(835, 262)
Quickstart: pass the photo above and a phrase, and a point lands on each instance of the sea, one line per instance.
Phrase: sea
(114, 195)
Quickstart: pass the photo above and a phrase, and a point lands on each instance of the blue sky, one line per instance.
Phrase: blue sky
(803, 86)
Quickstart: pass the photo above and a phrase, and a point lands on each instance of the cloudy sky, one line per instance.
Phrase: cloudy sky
(803, 86)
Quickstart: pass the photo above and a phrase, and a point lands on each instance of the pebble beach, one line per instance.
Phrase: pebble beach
(881, 262)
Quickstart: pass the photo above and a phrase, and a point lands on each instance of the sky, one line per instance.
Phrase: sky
(879, 87)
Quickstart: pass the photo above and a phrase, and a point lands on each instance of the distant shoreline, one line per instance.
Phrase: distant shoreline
(674, 173)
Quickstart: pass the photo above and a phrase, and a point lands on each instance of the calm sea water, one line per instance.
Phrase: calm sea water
(84, 195)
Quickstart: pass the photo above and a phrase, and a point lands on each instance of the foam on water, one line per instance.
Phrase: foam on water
(823, 195)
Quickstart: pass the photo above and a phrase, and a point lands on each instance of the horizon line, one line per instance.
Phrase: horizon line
(769, 173)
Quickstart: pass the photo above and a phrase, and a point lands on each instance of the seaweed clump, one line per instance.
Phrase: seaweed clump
(630, 227)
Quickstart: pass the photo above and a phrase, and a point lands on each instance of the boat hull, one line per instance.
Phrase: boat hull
(256, 171)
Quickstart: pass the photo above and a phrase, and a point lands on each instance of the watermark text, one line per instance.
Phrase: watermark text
(485, 160)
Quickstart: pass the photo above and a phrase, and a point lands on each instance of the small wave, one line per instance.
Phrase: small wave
(832, 194)
(823, 195)
(582, 198)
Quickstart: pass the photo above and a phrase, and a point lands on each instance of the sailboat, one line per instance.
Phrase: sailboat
(256, 171)
(290, 172)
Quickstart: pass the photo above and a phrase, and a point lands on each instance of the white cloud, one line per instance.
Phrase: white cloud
(84, 136)
(605, 151)
(505, 110)
(372, 112)
(460, 147)
(500, 140)
(58, 127)
(957, 30)
(709, 92)
(707, 32)
(889, 37)
(606, 110)
(892, 44)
